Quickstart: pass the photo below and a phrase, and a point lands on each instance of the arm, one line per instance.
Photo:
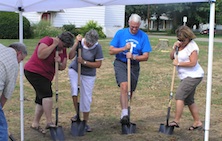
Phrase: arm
(62, 65)
(176, 44)
(138, 58)
(113, 50)
(44, 50)
(72, 52)
(141, 58)
(3, 100)
(193, 61)
(96, 64)
(172, 54)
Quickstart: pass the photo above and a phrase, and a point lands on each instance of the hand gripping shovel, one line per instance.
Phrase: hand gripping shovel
(166, 129)
(78, 126)
(131, 127)
(57, 133)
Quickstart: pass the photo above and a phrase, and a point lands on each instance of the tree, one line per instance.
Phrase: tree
(218, 12)
(10, 26)
(138, 9)
(195, 12)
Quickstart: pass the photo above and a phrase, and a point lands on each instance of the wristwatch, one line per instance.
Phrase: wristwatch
(134, 57)
(84, 62)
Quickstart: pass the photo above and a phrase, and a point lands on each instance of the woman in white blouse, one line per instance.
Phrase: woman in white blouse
(190, 73)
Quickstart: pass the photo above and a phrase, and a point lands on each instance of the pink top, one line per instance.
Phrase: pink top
(44, 67)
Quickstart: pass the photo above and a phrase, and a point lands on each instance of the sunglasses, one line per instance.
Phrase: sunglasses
(180, 40)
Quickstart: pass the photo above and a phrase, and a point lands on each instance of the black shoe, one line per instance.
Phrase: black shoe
(125, 120)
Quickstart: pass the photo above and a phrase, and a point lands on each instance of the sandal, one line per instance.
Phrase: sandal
(50, 125)
(74, 118)
(38, 129)
(174, 124)
(192, 128)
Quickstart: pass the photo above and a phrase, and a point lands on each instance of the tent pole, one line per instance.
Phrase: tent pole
(209, 71)
(21, 77)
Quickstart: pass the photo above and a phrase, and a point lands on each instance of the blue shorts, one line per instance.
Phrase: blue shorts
(121, 73)
(3, 126)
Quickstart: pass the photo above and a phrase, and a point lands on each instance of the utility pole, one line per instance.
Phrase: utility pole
(148, 18)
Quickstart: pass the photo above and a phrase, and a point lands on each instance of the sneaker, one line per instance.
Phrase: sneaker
(125, 120)
(87, 128)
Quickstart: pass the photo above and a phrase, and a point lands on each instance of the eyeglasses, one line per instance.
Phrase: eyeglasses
(180, 40)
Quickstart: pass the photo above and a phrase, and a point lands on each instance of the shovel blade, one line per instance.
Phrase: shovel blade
(78, 128)
(129, 128)
(166, 129)
(57, 133)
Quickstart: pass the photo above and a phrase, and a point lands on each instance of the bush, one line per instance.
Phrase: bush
(71, 28)
(44, 28)
(93, 25)
(10, 26)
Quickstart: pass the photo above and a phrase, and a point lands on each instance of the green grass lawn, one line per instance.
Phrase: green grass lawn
(149, 104)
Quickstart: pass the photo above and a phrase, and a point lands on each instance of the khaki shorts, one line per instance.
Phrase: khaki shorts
(186, 90)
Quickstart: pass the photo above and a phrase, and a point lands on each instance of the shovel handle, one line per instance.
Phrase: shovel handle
(174, 71)
(79, 64)
(79, 83)
(56, 86)
(56, 71)
(128, 77)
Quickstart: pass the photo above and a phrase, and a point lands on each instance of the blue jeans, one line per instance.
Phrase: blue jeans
(3, 126)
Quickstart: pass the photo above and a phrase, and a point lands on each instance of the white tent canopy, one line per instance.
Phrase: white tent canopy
(44, 5)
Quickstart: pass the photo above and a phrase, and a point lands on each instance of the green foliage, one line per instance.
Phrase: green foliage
(71, 28)
(138, 9)
(10, 26)
(44, 28)
(218, 11)
(93, 25)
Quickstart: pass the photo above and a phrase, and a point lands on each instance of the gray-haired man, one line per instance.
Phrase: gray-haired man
(10, 58)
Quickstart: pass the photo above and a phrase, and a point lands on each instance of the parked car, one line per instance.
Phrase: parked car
(206, 31)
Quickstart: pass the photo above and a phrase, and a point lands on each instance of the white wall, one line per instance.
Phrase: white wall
(111, 18)
(114, 19)
(33, 17)
(79, 16)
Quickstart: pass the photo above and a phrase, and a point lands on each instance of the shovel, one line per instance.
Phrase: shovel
(57, 133)
(10, 136)
(78, 126)
(166, 129)
(131, 127)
